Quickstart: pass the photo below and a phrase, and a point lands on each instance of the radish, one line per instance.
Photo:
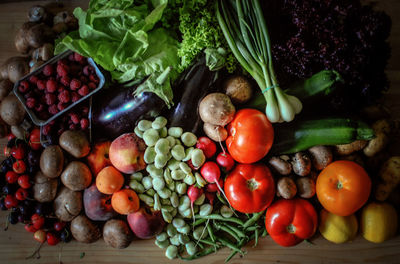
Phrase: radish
(210, 197)
(193, 193)
(207, 146)
(225, 161)
(212, 187)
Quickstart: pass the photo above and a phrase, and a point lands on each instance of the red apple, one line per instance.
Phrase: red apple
(146, 223)
(97, 205)
(126, 153)
(99, 157)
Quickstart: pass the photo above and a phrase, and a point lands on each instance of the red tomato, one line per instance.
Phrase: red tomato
(250, 136)
(250, 188)
(289, 222)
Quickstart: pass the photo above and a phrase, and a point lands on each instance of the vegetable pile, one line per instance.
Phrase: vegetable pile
(182, 143)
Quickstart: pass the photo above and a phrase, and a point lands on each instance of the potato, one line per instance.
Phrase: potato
(347, 149)
(68, 204)
(216, 109)
(286, 188)
(84, 230)
(52, 161)
(75, 143)
(44, 189)
(216, 133)
(117, 234)
(382, 130)
(305, 187)
(12, 111)
(238, 88)
(390, 175)
(76, 176)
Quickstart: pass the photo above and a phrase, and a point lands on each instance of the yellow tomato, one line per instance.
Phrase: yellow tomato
(378, 222)
(337, 229)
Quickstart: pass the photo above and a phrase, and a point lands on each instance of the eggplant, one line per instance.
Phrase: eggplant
(196, 83)
(116, 110)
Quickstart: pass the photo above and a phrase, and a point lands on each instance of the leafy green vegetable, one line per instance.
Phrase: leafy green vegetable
(122, 37)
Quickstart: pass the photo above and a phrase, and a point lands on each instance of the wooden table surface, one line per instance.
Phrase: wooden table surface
(16, 244)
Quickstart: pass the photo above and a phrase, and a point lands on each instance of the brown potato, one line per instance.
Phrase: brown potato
(216, 109)
(76, 176)
(238, 88)
(44, 189)
(216, 133)
(52, 161)
(68, 204)
(347, 149)
(75, 143)
(117, 234)
(84, 230)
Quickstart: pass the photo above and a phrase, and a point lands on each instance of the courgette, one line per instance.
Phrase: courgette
(300, 134)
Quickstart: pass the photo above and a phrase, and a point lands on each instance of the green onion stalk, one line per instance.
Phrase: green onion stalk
(243, 25)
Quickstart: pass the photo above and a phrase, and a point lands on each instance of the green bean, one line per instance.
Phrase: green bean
(208, 242)
(251, 228)
(175, 132)
(171, 230)
(190, 248)
(159, 122)
(171, 252)
(136, 186)
(166, 215)
(241, 244)
(146, 199)
(144, 125)
(206, 209)
(181, 188)
(189, 139)
(150, 137)
(212, 236)
(188, 154)
(185, 168)
(138, 132)
(147, 183)
(200, 180)
(230, 245)
(205, 252)
(196, 208)
(226, 211)
(189, 179)
(178, 152)
(256, 237)
(138, 176)
(157, 202)
(162, 244)
(174, 200)
(227, 230)
(200, 200)
(178, 175)
(162, 236)
(150, 192)
(175, 240)
(163, 132)
(239, 232)
(198, 158)
(199, 221)
(178, 222)
(219, 217)
(264, 233)
(253, 219)
(221, 199)
(160, 161)
(171, 141)
(149, 155)
(183, 239)
(158, 184)
(199, 232)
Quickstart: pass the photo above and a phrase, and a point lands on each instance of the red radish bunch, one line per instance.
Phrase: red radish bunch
(193, 193)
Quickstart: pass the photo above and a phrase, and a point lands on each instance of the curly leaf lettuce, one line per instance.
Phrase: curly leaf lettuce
(122, 37)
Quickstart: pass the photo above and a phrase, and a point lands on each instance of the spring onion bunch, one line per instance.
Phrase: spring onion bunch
(243, 25)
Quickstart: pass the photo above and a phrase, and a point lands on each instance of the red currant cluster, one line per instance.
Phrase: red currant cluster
(16, 174)
(59, 85)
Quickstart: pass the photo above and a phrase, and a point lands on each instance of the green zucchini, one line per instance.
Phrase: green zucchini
(316, 87)
(300, 135)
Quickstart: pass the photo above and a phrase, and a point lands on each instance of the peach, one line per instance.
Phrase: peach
(126, 153)
(97, 205)
(99, 157)
(146, 223)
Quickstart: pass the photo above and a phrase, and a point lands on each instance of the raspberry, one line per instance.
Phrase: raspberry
(39, 108)
(61, 106)
(72, 127)
(44, 115)
(51, 86)
(78, 57)
(50, 99)
(85, 110)
(92, 85)
(53, 109)
(48, 70)
(33, 79)
(87, 70)
(41, 84)
(65, 80)
(46, 130)
(84, 90)
(75, 84)
(84, 123)
(94, 78)
(30, 102)
(29, 95)
(75, 97)
(62, 70)
(71, 57)
(64, 96)
(74, 118)
(84, 79)
(62, 62)
(23, 86)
